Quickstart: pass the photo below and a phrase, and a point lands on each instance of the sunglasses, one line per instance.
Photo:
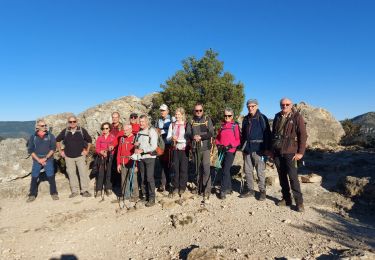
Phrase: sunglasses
(284, 105)
(228, 116)
(252, 106)
(71, 122)
(198, 110)
(42, 125)
(105, 128)
(133, 117)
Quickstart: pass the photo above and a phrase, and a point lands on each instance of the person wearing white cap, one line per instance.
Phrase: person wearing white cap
(162, 125)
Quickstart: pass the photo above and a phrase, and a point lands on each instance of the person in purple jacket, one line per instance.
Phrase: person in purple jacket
(227, 140)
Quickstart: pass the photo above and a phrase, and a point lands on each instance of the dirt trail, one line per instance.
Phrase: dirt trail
(234, 228)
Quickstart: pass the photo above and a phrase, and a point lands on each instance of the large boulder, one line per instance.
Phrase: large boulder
(323, 130)
(14, 161)
(92, 118)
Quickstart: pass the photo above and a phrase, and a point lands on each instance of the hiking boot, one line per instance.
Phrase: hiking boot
(98, 194)
(300, 208)
(74, 194)
(284, 202)
(262, 195)
(194, 191)
(55, 197)
(222, 196)
(143, 199)
(161, 189)
(31, 198)
(108, 192)
(86, 194)
(150, 202)
(247, 194)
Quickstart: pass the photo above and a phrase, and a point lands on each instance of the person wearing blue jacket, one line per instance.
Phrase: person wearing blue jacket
(256, 141)
(41, 146)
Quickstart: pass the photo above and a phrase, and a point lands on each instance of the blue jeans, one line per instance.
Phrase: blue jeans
(49, 169)
(35, 172)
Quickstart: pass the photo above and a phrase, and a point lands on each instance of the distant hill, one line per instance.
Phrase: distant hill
(366, 134)
(16, 129)
(366, 121)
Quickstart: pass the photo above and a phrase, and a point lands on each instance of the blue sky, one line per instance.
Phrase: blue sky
(66, 56)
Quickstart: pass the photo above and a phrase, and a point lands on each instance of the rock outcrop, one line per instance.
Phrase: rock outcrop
(92, 118)
(13, 159)
(323, 130)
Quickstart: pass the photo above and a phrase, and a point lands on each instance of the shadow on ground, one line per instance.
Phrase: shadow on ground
(347, 232)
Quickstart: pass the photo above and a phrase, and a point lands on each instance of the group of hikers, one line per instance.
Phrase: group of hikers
(132, 150)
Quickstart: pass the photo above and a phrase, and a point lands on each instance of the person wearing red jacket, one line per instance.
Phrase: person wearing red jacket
(133, 118)
(227, 140)
(125, 165)
(104, 151)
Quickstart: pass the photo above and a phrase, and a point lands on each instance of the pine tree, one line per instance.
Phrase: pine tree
(201, 80)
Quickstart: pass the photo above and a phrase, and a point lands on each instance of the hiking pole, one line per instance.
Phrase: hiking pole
(105, 172)
(131, 180)
(122, 192)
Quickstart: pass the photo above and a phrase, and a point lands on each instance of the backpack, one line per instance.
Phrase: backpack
(79, 129)
(34, 139)
(193, 123)
(160, 147)
(233, 128)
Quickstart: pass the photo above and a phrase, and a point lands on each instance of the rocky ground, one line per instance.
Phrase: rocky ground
(88, 228)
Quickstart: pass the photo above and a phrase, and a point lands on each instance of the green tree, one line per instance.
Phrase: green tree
(201, 80)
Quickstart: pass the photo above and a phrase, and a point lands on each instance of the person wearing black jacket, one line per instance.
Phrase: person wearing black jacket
(200, 132)
(77, 143)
